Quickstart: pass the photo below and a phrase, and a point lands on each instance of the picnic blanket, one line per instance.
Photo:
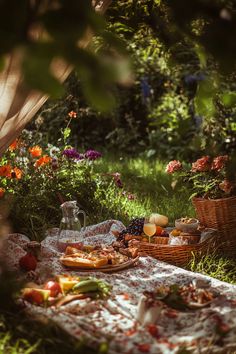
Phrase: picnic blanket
(113, 321)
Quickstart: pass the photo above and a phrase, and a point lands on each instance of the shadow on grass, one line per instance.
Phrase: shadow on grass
(43, 336)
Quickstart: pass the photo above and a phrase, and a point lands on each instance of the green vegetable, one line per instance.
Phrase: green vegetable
(86, 286)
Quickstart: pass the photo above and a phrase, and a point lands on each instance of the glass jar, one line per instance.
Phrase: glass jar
(70, 227)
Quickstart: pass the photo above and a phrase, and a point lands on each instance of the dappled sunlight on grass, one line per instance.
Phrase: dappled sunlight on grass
(151, 186)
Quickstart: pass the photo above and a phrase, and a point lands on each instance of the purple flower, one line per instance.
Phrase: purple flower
(118, 182)
(131, 196)
(92, 155)
(72, 154)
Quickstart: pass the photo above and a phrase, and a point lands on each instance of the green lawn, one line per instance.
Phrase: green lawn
(151, 186)
(153, 191)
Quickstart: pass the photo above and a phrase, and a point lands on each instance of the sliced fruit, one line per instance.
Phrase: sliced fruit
(66, 283)
(36, 296)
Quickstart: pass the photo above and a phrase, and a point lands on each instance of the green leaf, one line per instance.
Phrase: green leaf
(204, 99)
(201, 53)
(36, 69)
(66, 133)
(229, 98)
(175, 301)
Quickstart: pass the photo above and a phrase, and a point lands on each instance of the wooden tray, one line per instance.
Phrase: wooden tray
(107, 268)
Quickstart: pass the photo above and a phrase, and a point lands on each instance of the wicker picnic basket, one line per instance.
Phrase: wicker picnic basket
(178, 255)
(219, 214)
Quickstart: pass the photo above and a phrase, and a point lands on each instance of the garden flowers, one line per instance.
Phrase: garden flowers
(92, 155)
(9, 172)
(43, 161)
(13, 145)
(35, 151)
(16, 173)
(5, 171)
(201, 165)
(173, 166)
(219, 162)
(72, 154)
(207, 177)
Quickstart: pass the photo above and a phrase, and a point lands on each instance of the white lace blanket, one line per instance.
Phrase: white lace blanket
(208, 330)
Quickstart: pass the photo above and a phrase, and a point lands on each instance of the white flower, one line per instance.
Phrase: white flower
(54, 151)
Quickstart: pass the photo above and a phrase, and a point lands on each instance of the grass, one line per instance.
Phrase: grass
(151, 186)
(154, 193)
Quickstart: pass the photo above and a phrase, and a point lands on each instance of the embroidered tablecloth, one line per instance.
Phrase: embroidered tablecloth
(113, 321)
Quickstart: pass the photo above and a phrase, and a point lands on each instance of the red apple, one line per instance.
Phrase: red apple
(28, 262)
(54, 288)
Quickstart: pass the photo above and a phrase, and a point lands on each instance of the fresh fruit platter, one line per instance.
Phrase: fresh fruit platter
(64, 289)
(96, 258)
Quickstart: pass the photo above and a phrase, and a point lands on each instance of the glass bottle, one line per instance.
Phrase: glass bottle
(70, 226)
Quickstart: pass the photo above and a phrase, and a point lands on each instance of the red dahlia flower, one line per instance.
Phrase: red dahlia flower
(173, 166)
(201, 165)
(219, 162)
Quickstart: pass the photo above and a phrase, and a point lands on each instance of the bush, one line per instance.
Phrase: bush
(35, 180)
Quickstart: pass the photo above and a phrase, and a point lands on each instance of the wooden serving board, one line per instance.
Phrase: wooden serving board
(107, 268)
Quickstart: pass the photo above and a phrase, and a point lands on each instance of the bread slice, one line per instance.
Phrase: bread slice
(83, 262)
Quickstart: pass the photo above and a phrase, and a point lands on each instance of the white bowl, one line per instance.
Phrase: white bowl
(191, 227)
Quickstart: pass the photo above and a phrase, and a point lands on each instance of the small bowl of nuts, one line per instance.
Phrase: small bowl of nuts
(187, 224)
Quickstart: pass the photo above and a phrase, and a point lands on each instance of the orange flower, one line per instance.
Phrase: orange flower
(13, 145)
(2, 192)
(43, 161)
(16, 173)
(5, 171)
(35, 151)
(72, 114)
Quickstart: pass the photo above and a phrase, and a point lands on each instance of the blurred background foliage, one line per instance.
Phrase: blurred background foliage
(181, 102)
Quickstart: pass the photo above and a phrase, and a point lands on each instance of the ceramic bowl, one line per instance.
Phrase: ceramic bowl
(187, 227)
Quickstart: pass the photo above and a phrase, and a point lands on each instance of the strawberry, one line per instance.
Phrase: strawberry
(28, 262)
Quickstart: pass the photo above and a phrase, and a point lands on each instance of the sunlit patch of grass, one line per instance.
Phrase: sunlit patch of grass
(221, 268)
(150, 184)
(19, 346)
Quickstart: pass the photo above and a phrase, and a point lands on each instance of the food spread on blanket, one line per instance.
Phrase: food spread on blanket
(113, 319)
(187, 231)
(64, 289)
(91, 257)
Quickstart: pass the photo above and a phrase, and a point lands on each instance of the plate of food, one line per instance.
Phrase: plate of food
(105, 259)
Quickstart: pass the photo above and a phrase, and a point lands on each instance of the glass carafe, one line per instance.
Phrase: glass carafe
(70, 226)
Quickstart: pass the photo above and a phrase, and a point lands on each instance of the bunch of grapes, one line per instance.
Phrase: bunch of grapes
(134, 228)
